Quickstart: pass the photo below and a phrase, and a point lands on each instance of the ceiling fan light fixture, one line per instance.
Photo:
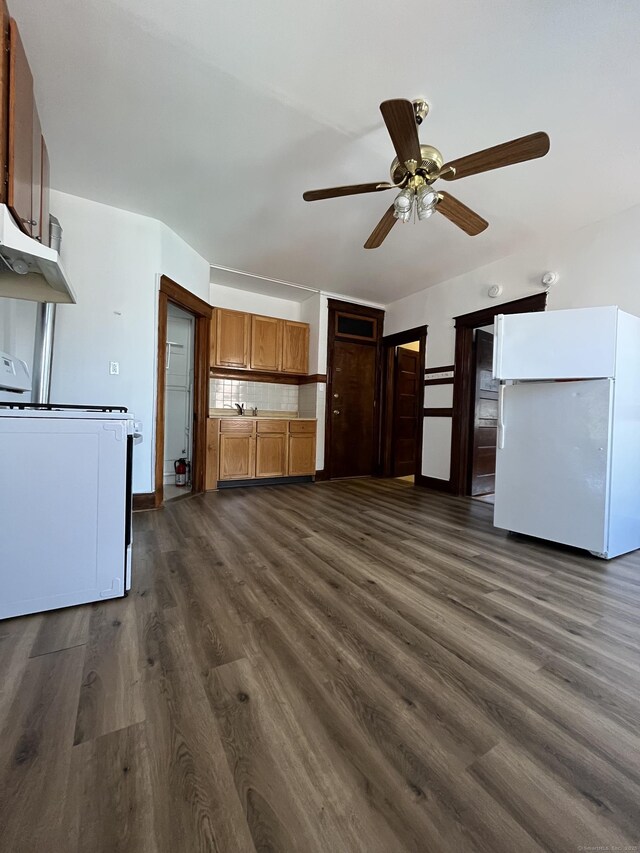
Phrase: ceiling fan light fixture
(426, 200)
(403, 203)
(425, 212)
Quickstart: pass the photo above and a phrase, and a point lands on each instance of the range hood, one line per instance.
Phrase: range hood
(29, 270)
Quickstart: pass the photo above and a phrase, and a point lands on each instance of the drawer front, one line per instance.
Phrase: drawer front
(238, 426)
(308, 427)
(272, 425)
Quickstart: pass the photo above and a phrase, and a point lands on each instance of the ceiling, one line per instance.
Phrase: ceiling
(215, 117)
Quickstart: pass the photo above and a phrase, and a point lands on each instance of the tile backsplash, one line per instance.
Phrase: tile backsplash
(269, 396)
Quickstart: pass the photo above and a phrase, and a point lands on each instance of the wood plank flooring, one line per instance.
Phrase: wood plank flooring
(346, 667)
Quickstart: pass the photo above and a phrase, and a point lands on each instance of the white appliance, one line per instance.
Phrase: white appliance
(29, 269)
(65, 505)
(14, 374)
(568, 455)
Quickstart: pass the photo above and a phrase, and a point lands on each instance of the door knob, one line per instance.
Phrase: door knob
(336, 411)
(336, 396)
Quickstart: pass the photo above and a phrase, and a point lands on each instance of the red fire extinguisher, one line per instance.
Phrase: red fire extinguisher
(180, 467)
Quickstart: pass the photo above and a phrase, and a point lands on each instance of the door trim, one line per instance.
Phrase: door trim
(338, 306)
(174, 293)
(462, 385)
(389, 343)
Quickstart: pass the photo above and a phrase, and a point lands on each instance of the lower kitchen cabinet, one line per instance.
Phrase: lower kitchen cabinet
(302, 454)
(254, 448)
(271, 455)
(237, 456)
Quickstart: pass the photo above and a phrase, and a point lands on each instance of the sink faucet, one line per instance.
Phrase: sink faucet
(240, 408)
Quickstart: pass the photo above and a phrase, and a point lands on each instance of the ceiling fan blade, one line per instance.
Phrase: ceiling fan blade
(400, 120)
(515, 151)
(461, 215)
(381, 230)
(353, 189)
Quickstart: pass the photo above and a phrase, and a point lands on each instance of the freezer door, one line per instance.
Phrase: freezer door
(62, 507)
(574, 344)
(553, 460)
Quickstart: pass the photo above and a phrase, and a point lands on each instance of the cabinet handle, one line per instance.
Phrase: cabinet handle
(336, 411)
(30, 221)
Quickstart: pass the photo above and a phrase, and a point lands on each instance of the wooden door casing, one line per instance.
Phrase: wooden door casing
(295, 347)
(21, 112)
(407, 394)
(485, 417)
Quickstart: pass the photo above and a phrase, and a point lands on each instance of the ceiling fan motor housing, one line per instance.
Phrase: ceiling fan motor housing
(430, 164)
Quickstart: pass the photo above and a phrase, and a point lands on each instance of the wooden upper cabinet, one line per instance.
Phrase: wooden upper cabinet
(295, 347)
(21, 132)
(266, 343)
(231, 333)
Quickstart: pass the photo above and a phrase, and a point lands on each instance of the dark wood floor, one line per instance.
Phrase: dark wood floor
(355, 667)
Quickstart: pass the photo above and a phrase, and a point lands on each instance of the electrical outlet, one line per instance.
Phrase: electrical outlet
(114, 368)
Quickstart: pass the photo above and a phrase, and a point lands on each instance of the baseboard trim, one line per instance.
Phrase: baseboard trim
(143, 501)
(321, 476)
(263, 481)
(435, 484)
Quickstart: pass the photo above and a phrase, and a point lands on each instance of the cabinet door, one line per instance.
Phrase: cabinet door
(271, 455)
(44, 195)
(295, 347)
(231, 339)
(266, 343)
(237, 456)
(302, 454)
(21, 110)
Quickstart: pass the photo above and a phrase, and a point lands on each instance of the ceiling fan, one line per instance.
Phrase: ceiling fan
(416, 167)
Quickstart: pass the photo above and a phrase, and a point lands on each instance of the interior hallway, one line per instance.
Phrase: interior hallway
(353, 667)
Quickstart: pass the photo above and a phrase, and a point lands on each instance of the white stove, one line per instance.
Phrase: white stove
(65, 505)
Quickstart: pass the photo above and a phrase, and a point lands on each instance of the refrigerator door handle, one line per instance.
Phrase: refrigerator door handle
(501, 423)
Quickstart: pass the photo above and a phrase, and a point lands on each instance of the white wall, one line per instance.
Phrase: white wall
(597, 265)
(114, 260)
(254, 303)
(17, 327)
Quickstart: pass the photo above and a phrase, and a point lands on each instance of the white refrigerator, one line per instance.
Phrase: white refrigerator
(568, 454)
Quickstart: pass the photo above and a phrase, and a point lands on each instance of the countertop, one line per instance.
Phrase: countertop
(264, 415)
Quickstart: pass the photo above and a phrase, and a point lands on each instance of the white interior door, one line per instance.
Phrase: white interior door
(552, 461)
(178, 389)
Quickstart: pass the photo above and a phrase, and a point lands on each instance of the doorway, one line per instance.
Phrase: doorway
(403, 417)
(464, 387)
(178, 401)
(484, 415)
(353, 390)
(182, 394)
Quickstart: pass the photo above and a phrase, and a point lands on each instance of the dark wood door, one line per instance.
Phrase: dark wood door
(352, 410)
(21, 112)
(406, 401)
(485, 418)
